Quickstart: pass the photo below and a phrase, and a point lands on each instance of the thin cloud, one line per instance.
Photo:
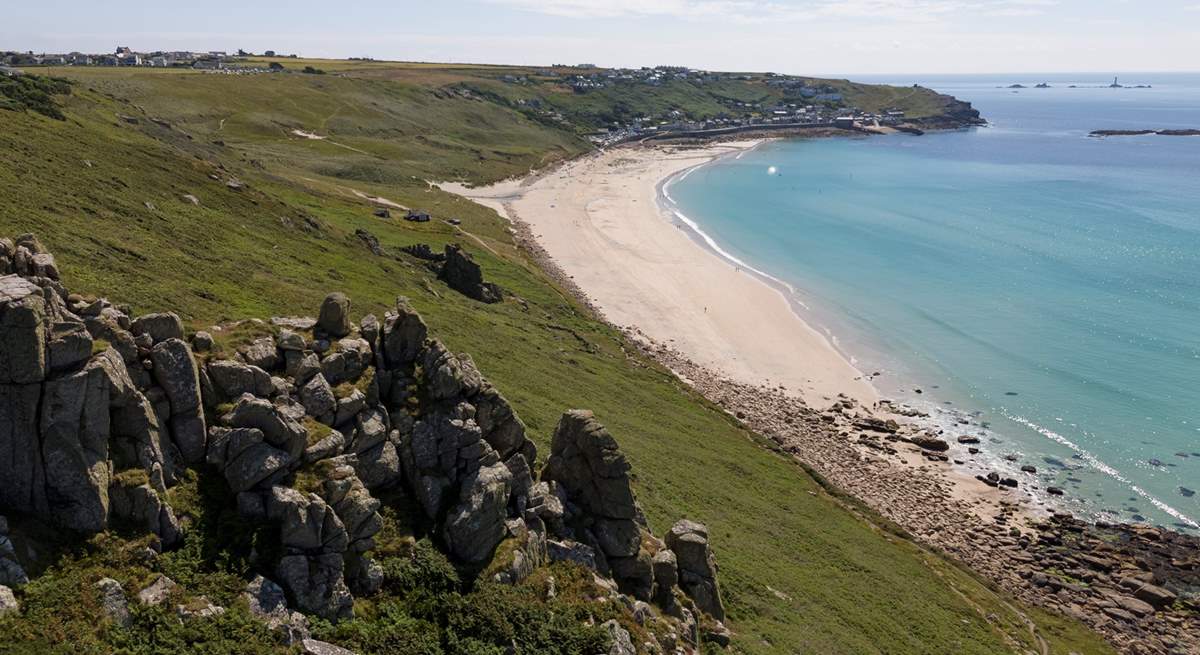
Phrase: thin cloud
(768, 10)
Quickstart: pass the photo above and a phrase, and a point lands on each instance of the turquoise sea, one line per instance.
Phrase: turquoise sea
(1041, 285)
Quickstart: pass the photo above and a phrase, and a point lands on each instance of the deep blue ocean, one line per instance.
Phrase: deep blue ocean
(1041, 284)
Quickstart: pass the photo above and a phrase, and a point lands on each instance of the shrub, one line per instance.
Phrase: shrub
(34, 92)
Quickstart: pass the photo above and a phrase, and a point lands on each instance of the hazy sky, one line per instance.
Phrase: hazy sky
(790, 36)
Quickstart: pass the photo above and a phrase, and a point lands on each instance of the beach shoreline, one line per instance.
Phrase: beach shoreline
(600, 226)
(586, 238)
(601, 220)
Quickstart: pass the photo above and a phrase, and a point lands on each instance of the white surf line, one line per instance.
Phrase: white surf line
(1099, 465)
(712, 243)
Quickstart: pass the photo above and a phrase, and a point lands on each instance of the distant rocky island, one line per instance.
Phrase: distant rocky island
(1104, 133)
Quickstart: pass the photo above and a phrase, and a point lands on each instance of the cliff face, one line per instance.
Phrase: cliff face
(309, 423)
(954, 114)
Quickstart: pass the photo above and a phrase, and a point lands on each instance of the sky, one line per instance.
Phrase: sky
(785, 36)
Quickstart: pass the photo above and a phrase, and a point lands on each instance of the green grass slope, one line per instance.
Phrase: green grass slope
(803, 570)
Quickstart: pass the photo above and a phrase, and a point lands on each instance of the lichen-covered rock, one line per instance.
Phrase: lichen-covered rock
(113, 602)
(666, 576)
(69, 345)
(317, 584)
(404, 335)
(159, 327)
(501, 427)
(142, 507)
(585, 460)
(476, 524)
(74, 427)
(697, 568)
(268, 603)
(278, 428)
(232, 379)
(465, 276)
(22, 332)
(318, 399)
(175, 371)
(621, 642)
(348, 362)
(261, 353)
(21, 465)
(449, 375)
(138, 441)
(334, 319)
(157, 592)
(245, 459)
(289, 340)
(315, 647)
(8, 601)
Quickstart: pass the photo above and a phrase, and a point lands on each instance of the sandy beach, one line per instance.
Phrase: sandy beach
(740, 339)
(599, 218)
(602, 223)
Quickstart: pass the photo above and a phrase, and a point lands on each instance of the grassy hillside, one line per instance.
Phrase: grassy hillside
(801, 573)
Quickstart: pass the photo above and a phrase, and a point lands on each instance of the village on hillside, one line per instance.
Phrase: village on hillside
(805, 103)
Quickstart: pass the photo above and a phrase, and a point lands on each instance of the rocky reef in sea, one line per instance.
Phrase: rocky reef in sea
(311, 423)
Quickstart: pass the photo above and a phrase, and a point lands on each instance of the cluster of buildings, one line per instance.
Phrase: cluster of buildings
(124, 56)
(783, 116)
(656, 76)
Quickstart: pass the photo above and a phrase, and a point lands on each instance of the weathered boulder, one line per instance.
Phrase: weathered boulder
(448, 375)
(159, 327)
(635, 574)
(697, 568)
(594, 476)
(202, 342)
(175, 371)
(666, 576)
(261, 353)
(43, 265)
(622, 644)
(379, 467)
(289, 340)
(232, 379)
(318, 399)
(268, 603)
(315, 647)
(404, 335)
(306, 522)
(278, 428)
(74, 427)
(348, 361)
(8, 601)
(138, 441)
(113, 602)
(476, 525)
(465, 276)
(334, 319)
(245, 459)
(929, 442)
(69, 345)
(501, 427)
(22, 332)
(141, 507)
(571, 551)
(317, 585)
(157, 592)
(352, 503)
(21, 466)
